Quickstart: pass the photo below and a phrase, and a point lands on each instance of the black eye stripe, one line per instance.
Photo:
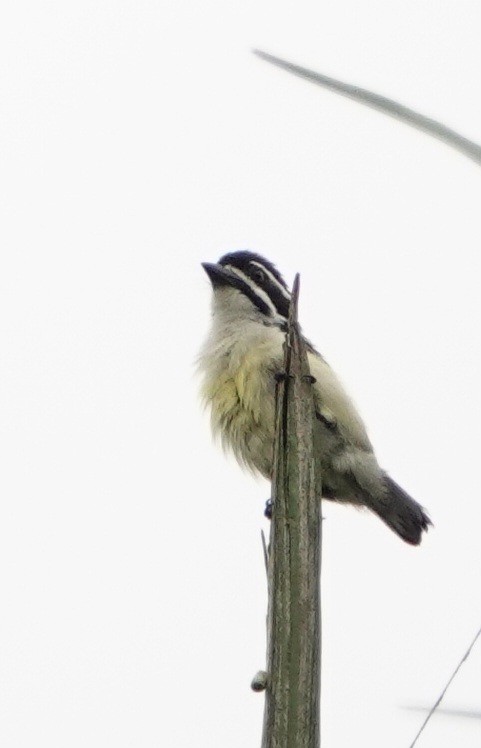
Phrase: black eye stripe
(272, 290)
(245, 288)
(258, 275)
(280, 302)
(260, 303)
(261, 273)
(261, 279)
(245, 260)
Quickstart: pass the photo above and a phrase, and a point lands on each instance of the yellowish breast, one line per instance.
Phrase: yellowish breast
(241, 392)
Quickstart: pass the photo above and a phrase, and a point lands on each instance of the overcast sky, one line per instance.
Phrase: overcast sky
(137, 140)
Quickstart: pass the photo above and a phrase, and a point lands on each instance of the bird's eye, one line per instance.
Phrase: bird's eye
(258, 275)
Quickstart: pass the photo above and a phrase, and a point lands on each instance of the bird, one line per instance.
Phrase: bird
(240, 362)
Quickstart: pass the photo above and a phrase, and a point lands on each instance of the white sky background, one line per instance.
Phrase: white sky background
(137, 140)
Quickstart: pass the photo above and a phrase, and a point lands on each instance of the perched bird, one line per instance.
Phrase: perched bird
(239, 362)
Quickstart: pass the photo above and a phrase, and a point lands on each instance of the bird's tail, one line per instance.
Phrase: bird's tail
(401, 513)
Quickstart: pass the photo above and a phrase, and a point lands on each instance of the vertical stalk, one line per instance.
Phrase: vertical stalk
(292, 709)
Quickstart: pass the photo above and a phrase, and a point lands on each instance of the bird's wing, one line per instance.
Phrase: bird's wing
(333, 404)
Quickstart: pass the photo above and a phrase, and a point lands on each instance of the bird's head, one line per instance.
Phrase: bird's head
(246, 286)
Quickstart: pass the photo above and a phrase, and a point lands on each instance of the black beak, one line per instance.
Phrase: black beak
(219, 275)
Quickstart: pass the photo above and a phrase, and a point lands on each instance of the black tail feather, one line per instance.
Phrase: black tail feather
(402, 514)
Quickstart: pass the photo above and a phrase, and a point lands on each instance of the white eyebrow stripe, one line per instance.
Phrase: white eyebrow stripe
(273, 278)
(258, 291)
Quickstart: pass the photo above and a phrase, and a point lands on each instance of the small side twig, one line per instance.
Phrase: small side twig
(266, 552)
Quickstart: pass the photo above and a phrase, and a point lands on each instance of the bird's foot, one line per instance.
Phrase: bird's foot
(282, 376)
